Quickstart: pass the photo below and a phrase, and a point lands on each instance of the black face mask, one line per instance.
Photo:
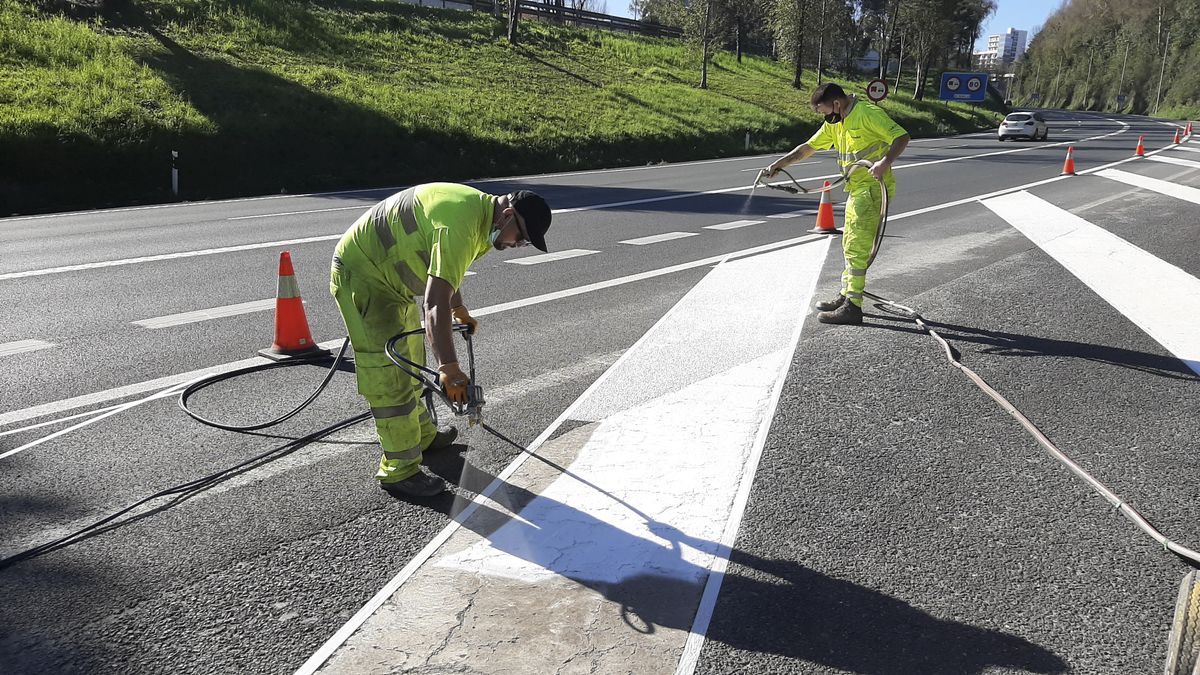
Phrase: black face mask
(834, 118)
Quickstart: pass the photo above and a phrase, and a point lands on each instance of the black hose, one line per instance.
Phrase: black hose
(221, 377)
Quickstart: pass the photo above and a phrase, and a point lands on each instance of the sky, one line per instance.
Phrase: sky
(1019, 14)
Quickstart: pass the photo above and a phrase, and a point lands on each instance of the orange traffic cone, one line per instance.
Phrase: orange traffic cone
(1141, 148)
(825, 224)
(292, 337)
(1069, 163)
(1176, 141)
(1188, 131)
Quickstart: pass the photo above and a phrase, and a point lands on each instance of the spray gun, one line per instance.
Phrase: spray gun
(430, 379)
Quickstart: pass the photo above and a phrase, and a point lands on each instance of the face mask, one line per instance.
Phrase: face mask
(495, 235)
(833, 118)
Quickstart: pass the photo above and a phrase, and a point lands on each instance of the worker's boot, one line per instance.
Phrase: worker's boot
(830, 305)
(444, 438)
(847, 313)
(420, 484)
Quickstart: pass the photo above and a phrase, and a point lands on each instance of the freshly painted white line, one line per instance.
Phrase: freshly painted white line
(1167, 159)
(166, 256)
(360, 207)
(115, 410)
(712, 587)
(206, 314)
(116, 393)
(1119, 272)
(656, 238)
(733, 225)
(793, 214)
(550, 257)
(1168, 188)
(22, 346)
(1185, 149)
(621, 528)
(59, 420)
(1114, 196)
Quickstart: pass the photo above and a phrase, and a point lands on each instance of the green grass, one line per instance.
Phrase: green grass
(260, 96)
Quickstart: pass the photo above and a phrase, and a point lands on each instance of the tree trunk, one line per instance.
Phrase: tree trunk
(821, 46)
(512, 21)
(704, 44)
(739, 39)
(889, 36)
(799, 69)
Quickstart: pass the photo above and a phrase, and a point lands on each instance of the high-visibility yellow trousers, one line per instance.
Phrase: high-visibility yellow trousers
(374, 313)
(858, 237)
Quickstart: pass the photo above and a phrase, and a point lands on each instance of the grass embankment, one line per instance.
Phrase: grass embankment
(263, 96)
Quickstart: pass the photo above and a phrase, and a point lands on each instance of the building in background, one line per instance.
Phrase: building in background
(1003, 50)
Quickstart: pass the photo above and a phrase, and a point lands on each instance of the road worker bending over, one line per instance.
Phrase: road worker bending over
(420, 242)
(859, 130)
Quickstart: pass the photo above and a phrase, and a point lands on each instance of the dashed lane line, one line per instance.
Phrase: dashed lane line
(551, 257)
(22, 346)
(206, 314)
(657, 238)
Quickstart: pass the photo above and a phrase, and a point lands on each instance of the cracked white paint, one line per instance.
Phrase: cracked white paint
(604, 567)
(677, 460)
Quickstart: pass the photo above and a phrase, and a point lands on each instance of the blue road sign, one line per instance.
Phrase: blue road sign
(970, 87)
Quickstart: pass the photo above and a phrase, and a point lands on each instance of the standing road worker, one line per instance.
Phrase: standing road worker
(420, 242)
(858, 130)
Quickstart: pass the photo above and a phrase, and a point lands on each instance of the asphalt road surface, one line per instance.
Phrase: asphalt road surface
(829, 499)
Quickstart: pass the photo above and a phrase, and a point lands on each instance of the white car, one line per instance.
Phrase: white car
(1023, 125)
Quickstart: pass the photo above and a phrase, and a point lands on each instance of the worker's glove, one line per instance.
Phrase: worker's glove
(454, 381)
(461, 315)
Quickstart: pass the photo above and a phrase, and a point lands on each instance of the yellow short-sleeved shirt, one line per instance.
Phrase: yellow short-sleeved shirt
(459, 221)
(866, 133)
(434, 229)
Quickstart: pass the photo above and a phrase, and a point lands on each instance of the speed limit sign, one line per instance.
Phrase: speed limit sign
(877, 90)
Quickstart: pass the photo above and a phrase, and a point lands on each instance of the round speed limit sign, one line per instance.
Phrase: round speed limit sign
(877, 90)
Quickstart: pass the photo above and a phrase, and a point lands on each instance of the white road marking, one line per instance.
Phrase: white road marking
(1119, 272)
(733, 225)
(166, 256)
(793, 214)
(22, 346)
(1168, 188)
(360, 207)
(1167, 159)
(1180, 147)
(550, 257)
(593, 207)
(1121, 195)
(656, 238)
(95, 398)
(206, 314)
(675, 518)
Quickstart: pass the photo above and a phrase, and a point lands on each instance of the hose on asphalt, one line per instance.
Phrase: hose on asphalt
(1188, 555)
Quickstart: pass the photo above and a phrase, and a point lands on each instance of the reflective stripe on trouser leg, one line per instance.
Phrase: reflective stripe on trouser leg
(862, 222)
(373, 314)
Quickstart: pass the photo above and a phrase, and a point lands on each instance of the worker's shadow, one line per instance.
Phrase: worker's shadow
(772, 606)
(1014, 344)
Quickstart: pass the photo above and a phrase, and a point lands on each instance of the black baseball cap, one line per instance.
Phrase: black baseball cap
(535, 212)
